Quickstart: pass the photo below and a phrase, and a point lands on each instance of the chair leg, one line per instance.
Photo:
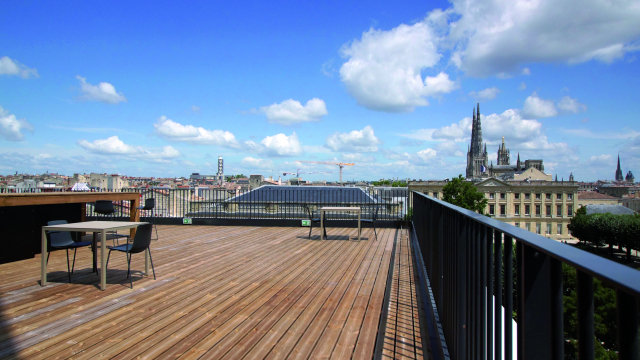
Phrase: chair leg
(68, 269)
(152, 268)
(49, 254)
(74, 259)
(108, 256)
(374, 231)
(310, 228)
(128, 269)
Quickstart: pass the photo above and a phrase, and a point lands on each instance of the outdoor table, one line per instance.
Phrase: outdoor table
(344, 209)
(94, 227)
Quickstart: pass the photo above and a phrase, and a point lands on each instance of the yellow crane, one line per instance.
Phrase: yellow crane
(341, 165)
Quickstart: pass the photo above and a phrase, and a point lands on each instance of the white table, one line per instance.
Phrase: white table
(335, 208)
(93, 227)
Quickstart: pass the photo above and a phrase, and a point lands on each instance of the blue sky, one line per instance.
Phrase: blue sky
(162, 89)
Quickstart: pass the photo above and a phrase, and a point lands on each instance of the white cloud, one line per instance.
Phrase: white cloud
(114, 146)
(586, 133)
(173, 131)
(355, 141)
(421, 158)
(449, 148)
(358, 158)
(384, 67)
(522, 86)
(456, 131)
(526, 71)
(572, 106)
(486, 94)
(257, 163)
(292, 112)
(13, 67)
(420, 134)
(535, 107)
(601, 160)
(497, 36)
(12, 128)
(195, 109)
(277, 145)
(103, 92)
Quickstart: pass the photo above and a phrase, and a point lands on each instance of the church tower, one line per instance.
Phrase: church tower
(619, 176)
(476, 156)
(504, 158)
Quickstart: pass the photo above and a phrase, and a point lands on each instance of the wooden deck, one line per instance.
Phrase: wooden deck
(220, 293)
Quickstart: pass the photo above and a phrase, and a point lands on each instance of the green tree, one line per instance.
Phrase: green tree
(462, 193)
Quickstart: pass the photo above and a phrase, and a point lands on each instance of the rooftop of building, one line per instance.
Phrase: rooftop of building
(611, 209)
(585, 195)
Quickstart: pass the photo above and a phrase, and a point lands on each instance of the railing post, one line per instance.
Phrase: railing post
(585, 317)
(461, 286)
(628, 328)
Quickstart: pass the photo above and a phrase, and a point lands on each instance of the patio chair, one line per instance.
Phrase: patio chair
(105, 207)
(141, 242)
(149, 205)
(373, 219)
(63, 240)
(313, 220)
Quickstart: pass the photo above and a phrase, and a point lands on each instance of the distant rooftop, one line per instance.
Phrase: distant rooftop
(612, 209)
(586, 195)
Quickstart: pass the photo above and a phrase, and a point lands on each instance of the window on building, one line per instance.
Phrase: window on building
(559, 196)
(517, 195)
(503, 196)
(569, 196)
(538, 228)
(569, 210)
(548, 228)
(527, 226)
(548, 196)
(527, 196)
(491, 196)
(559, 230)
(435, 195)
(537, 210)
(517, 225)
(548, 213)
(526, 209)
(503, 210)
(516, 209)
(492, 209)
(559, 210)
(538, 196)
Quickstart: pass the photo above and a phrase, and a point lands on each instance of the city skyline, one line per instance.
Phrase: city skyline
(158, 89)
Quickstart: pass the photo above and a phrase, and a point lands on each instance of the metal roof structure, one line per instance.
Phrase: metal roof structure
(306, 195)
(613, 209)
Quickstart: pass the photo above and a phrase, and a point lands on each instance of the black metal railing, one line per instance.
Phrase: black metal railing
(468, 257)
(281, 202)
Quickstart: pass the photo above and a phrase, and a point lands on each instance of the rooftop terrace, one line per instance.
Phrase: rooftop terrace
(223, 292)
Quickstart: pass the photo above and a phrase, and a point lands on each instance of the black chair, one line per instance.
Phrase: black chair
(313, 220)
(141, 242)
(149, 205)
(63, 240)
(373, 219)
(105, 207)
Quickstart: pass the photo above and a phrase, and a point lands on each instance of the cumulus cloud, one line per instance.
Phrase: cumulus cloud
(358, 157)
(486, 94)
(292, 112)
(383, 71)
(363, 140)
(526, 71)
(421, 158)
(174, 131)
(114, 146)
(536, 107)
(12, 128)
(522, 86)
(13, 67)
(277, 145)
(586, 133)
(103, 92)
(449, 148)
(497, 36)
(257, 163)
(601, 160)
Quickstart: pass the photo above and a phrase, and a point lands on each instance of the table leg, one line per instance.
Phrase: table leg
(359, 228)
(146, 262)
(103, 260)
(43, 261)
(321, 225)
(94, 250)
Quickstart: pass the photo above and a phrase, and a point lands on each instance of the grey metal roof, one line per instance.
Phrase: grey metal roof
(613, 209)
(306, 195)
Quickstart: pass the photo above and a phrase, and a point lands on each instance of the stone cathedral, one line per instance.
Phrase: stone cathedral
(477, 154)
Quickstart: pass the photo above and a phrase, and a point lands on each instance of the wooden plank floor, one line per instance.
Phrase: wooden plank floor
(221, 293)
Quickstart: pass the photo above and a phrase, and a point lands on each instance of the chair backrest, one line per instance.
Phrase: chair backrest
(149, 204)
(59, 238)
(375, 213)
(104, 207)
(308, 210)
(142, 240)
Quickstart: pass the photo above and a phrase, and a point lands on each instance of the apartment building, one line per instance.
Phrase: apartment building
(540, 206)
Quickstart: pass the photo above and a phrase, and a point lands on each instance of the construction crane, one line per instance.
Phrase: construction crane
(297, 173)
(341, 165)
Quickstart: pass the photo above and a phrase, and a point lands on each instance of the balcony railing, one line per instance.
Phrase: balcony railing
(468, 257)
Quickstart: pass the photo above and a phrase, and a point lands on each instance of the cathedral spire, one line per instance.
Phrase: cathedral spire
(518, 163)
(478, 130)
(619, 176)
